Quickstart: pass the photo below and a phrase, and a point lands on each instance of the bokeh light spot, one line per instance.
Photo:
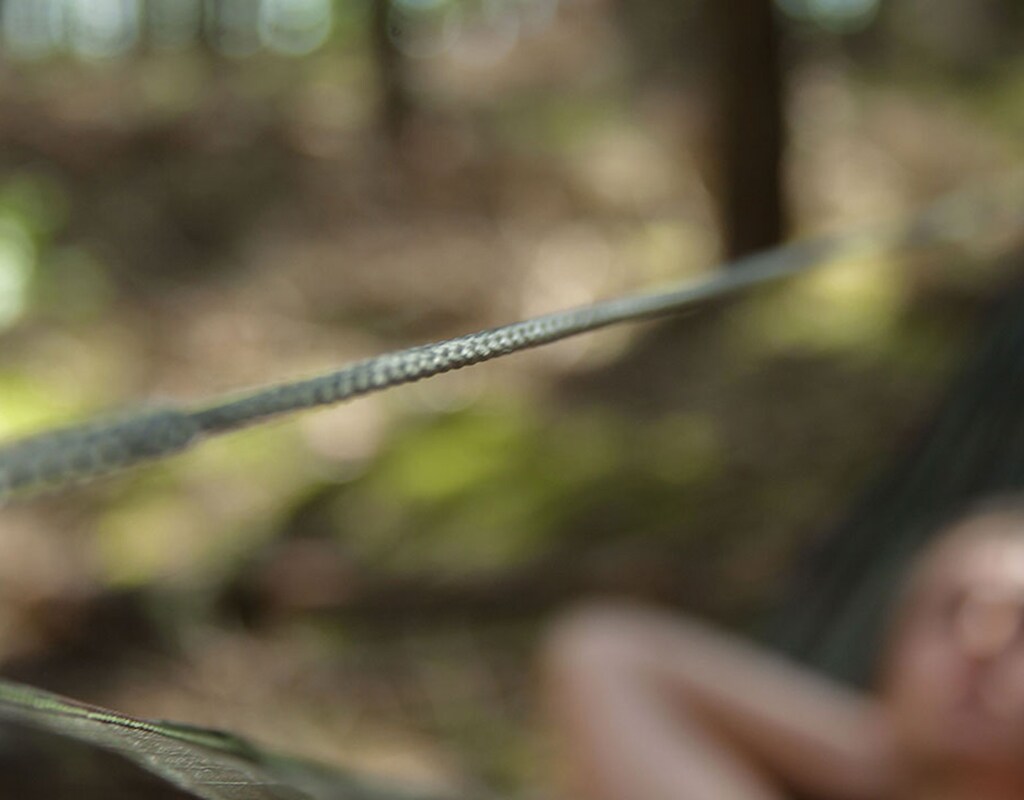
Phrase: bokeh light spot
(17, 263)
(102, 28)
(295, 27)
(838, 16)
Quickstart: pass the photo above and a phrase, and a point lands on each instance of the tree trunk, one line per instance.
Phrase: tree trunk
(750, 125)
(392, 76)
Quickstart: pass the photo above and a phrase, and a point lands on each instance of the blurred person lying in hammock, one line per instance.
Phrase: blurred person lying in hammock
(648, 706)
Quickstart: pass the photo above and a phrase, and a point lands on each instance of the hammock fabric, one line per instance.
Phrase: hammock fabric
(834, 619)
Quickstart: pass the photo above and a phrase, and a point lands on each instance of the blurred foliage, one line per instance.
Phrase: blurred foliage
(32, 211)
(193, 209)
(486, 487)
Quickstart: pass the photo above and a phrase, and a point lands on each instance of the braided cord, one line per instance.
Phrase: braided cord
(70, 455)
(406, 366)
(55, 458)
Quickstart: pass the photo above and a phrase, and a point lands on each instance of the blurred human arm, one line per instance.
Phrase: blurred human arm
(651, 707)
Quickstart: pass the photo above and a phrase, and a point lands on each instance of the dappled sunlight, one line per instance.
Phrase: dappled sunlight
(106, 29)
(580, 263)
(489, 487)
(180, 523)
(845, 172)
(295, 27)
(445, 456)
(202, 196)
(347, 436)
(151, 540)
(102, 28)
(476, 485)
(665, 250)
(850, 307)
(626, 170)
(31, 211)
(17, 264)
(840, 16)
(571, 266)
(27, 404)
(471, 35)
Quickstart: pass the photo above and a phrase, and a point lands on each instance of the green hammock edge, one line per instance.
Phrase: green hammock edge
(207, 763)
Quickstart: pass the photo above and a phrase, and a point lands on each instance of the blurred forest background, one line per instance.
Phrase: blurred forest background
(201, 196)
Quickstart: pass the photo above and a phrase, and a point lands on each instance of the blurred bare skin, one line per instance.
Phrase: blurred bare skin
(651, 707)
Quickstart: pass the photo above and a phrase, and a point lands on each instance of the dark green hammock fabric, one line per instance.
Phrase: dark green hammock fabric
(834, 619)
